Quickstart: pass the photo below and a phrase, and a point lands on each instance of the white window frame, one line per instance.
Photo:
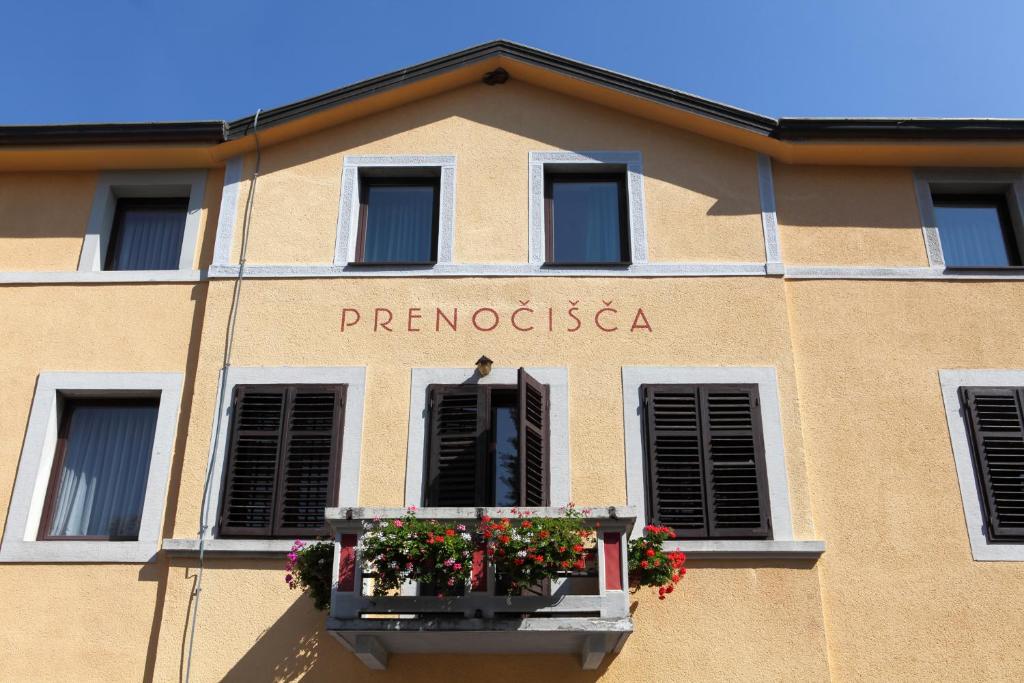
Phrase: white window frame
(557, 380)
(782, 543)
(956, 181)
(37, 455)
(982, 549)
(113, 185)
(551, 162)
(348, 206)
(354, 378)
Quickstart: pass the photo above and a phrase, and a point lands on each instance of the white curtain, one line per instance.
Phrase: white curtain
(399, 225)
(150, 239)
(102, 482)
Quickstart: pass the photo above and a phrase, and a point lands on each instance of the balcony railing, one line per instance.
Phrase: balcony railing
(583, 613)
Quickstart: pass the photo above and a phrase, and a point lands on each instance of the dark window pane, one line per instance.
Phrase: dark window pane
(586, 225)
(975, 231)
(147, 235)
(101, 485)
(399, 224)
(506, 455)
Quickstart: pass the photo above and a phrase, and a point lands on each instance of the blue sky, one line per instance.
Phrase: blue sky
(146, 60)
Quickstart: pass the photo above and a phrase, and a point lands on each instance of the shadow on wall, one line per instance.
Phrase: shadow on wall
(297, 646)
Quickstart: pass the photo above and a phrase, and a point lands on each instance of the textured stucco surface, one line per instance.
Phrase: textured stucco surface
(43, 218)
(903, 597)
(848, 216)
(701, 196)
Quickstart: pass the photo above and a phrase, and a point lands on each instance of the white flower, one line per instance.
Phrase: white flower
(521, 553)
(468, 537)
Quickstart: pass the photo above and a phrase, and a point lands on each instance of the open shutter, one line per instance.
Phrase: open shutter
(534, 440)
(675, 464)
(996, 424)
(735, 485)
(308, 472)
(250, 481)
(457, 446)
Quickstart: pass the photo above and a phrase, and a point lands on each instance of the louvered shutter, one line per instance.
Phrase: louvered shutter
(283, 460)
(705, 460)
(457, 446)
(534, 440)
(308, 472)
(675, 463)
(735, 484)
(254, 448)
(996, 424)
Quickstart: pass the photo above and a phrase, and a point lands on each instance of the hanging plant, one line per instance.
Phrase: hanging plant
(650, 565)
(526, 550)
(309, 569)
(434, 553)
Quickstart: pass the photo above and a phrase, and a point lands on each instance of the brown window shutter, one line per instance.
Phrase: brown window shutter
(254, 448)
(456, 475)
(735, 485)
(534, 440)
(675, 463)
(308, 473)
(996, 425)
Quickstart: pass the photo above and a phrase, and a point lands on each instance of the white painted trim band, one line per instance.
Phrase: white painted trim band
(237, 547)
(778, 550)
(887, 273)
(769, 221)
(494, 270)
(228, 211)
(84, 277)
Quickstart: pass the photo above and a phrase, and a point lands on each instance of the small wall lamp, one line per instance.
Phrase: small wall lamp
(483, 366)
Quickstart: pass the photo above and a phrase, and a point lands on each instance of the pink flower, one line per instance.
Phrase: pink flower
(397, 523)
(460, 527)
(457, 565)
(292, 557)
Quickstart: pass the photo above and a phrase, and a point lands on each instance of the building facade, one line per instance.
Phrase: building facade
(792, 340)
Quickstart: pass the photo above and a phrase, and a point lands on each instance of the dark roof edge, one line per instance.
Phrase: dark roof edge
(785, 129)
(715, 110)
(923, 129)
(178, 132)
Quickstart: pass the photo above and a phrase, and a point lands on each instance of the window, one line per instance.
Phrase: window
(586, 219)
(282, 464)
(398, 220)
(975, 230)
(92, 477)
(994, 418)
(489, 444)
(98, 481)
(144, 221)
(705, 460)
(147, 234)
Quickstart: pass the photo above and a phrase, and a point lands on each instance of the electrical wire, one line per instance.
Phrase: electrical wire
(221, 389)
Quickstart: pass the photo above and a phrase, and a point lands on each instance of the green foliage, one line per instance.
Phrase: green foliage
(309, 568)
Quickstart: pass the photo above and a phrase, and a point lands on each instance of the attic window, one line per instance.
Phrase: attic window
(586, 219)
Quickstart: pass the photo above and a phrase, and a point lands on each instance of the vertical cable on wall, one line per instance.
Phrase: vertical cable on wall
(221, 389)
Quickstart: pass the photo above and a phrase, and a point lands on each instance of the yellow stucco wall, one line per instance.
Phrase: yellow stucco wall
(43, 218)
(848, 216)
(896, 596)
(904, 599)
(701, 196)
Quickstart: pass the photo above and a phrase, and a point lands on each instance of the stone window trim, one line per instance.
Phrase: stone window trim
(348, 490)
(630, 161)
(347, 230)
(782, 544)
(557, 380)
(1006, 182)
(950, 381)
(112, 185)
(34, 469)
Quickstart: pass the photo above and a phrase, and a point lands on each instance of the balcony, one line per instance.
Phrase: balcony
(583, 613)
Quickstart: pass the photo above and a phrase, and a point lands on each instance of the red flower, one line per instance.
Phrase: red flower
(449, 532)
(565, 564)
(485, 519)
(577, 548)
(505, 539)
(650, 552)
(643, 563)
(527, 524)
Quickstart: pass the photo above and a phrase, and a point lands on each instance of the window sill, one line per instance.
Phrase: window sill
(593, 264)
(391, 264)
(79, 552)
(743, 550)
(99, 276)
(228, 547)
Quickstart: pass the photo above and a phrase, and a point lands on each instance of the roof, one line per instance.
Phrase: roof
(785, 129)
